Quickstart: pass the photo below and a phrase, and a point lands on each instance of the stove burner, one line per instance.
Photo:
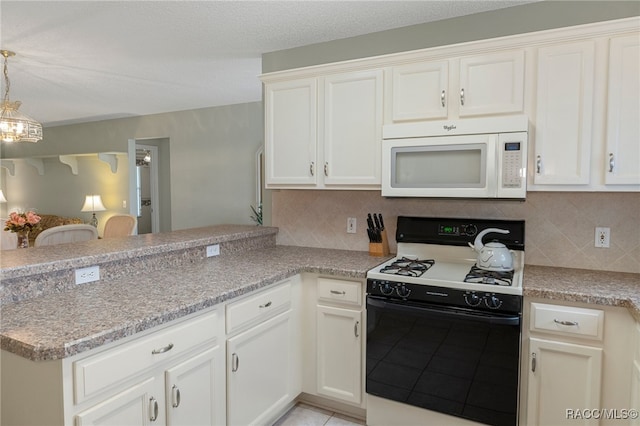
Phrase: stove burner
(408, 267)
(481, 276)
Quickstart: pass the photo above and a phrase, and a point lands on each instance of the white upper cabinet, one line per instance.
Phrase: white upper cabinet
(468, 86)
(622, 156)
(352, 128)
(324, 132)
(492, 84)
(291, 132)
(420, 91)
(564, 114)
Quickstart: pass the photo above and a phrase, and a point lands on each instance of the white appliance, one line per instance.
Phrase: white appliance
(443, 335)
(468, 158)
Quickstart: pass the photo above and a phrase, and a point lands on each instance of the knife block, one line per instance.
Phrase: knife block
(380, 249)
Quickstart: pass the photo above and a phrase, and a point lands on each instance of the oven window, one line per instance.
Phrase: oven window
(441, 362)
(440, 166)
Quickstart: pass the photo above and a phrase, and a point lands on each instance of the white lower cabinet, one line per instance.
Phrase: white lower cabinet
(339, 340)
(339, 366)
(258, 371)
(263, 361)
(563, 376)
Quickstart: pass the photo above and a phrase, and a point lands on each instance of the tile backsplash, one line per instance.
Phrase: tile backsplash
(560, 226)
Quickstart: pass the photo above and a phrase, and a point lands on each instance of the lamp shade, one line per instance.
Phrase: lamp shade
(2, 199)
(93, 203)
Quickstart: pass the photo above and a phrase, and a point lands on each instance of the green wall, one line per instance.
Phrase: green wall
(503, 22)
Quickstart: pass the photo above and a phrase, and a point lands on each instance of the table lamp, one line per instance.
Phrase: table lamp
(93, 204)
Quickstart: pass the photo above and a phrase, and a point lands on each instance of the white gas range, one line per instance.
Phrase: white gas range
(443, 334)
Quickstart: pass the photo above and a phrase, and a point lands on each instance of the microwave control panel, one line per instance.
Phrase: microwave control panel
(512, 165)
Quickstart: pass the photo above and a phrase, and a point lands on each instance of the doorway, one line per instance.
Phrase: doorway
(147, 194)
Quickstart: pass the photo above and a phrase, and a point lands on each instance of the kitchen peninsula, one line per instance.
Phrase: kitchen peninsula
(161, 289)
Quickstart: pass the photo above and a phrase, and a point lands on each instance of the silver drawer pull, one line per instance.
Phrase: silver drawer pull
(533, 362)
(538, 164)
(162, 350)
(337, 292)
(567, 323)
(311, 168)
(442, 96)
(462, 96)
(176, 396)
(153, 409)
(355, 329)
(266, 305)
(235, 362)
(612, 162)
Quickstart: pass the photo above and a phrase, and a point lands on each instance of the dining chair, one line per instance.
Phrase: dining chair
(66, 234)
(8, 240)
(120, 225)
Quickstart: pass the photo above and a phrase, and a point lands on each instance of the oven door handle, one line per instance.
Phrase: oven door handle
(446, 312)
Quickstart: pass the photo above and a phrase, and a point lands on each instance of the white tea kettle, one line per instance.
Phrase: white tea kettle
(493, 256)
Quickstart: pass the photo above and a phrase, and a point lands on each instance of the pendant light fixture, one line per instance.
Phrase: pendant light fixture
(15, 126)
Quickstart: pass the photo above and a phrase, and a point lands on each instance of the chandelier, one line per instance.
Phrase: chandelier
(15, 126)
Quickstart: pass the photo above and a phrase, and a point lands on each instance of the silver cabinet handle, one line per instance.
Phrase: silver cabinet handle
(235, 362)
(311, 168)
(538, 164)
(175, 393)
(533, 362)
(442, 96)
(462, 96)
(162, 350)
(355, 329)
(568, 323)
(337, 292)
(266, 305)
(612, 162)
(153, 409)
(326, 169)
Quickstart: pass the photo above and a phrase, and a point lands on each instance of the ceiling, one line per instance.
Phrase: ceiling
(81, 61)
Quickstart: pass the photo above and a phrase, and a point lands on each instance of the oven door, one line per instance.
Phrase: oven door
(451, 360)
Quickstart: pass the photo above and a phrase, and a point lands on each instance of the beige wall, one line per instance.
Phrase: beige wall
(560, 227)
(212, 159)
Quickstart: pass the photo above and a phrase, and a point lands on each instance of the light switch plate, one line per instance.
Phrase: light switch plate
(87, 275)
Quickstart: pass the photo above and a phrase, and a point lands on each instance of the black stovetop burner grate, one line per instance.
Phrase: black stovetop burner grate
(482, 276)
(408, 267)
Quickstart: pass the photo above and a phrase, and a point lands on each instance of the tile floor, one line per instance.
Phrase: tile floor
(307, 415)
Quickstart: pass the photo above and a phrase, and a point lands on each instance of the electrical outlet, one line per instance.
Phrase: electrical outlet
(124, 204)
(351, 225)
(213, 250)
(602, 237)
(87, 275)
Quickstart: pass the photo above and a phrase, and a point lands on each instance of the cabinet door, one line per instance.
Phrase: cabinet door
(564, 114)
(195, 392)
(623, 110)
(291, 132)
(491, 84)
(339, 353)
(142, 404)
(419, 91)
(562, 377)
(352, 130)
(259, 376)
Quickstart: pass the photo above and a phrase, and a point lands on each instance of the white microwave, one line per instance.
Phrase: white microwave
(467, 158)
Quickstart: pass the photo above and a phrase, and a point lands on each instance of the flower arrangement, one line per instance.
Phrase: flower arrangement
(20, 222)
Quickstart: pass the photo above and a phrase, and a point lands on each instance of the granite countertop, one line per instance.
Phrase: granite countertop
(84, 317)
(67, 323)
(585, 286)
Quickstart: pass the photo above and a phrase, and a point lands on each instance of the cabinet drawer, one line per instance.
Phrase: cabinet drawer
(98, 372)
(567, 320)
(330, 290)
(258, 307)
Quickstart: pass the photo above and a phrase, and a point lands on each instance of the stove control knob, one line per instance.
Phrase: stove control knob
(403, 291)
(493, 302)
(470, 230)
(386, 288)
(472, 299)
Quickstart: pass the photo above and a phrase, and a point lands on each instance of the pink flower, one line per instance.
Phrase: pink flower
(18, 222)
